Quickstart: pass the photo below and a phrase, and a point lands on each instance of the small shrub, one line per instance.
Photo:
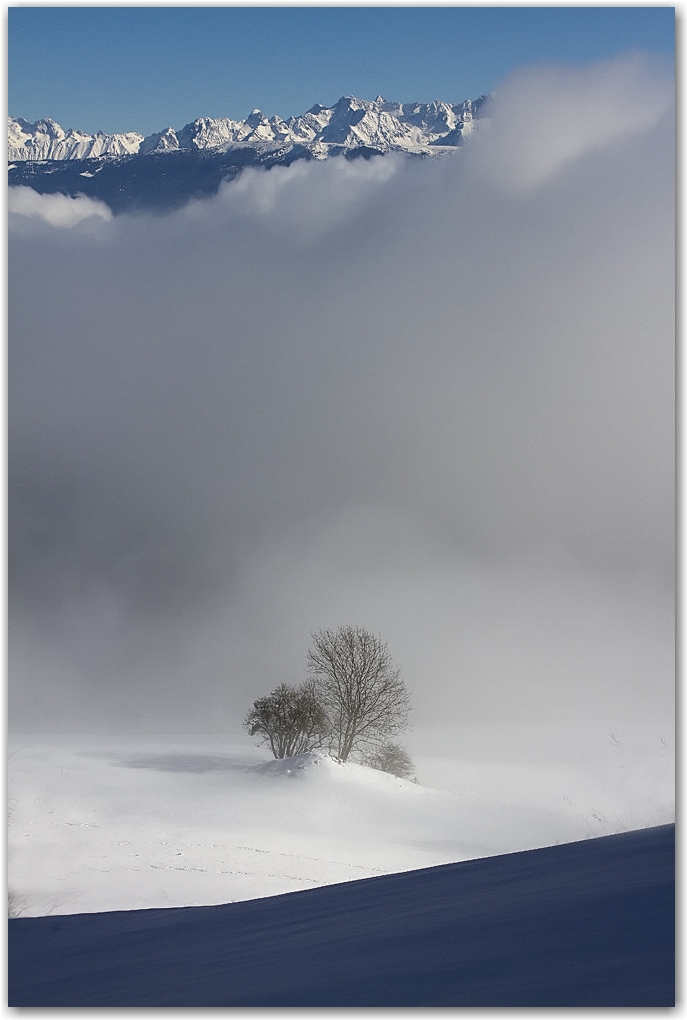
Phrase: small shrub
(392, 758)
(290, 718)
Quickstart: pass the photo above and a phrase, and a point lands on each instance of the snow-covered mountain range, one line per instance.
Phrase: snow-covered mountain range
(324, 130)
(164, 170)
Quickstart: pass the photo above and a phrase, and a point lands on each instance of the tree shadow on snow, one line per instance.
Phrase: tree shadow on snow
(180, 762)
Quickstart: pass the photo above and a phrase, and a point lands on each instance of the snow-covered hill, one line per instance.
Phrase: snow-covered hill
(348, 125)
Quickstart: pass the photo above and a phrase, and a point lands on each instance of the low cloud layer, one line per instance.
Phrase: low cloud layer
(433, 398)
(57, 210)
(548, 117)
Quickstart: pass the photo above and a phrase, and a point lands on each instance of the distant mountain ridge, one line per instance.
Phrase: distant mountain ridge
(164, 170)
(321, 131)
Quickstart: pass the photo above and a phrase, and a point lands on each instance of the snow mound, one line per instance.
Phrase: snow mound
(325, 771)
(328, 766)
(297, 765)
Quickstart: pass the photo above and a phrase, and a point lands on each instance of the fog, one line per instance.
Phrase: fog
(430, 397)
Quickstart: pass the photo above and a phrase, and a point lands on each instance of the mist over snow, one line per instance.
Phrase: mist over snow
(433, 398)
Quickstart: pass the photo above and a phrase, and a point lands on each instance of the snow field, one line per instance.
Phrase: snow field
(105, 824)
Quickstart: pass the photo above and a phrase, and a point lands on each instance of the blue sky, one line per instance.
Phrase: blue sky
(144, 68)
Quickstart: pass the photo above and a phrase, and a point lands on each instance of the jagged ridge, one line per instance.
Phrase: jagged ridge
(348, 125)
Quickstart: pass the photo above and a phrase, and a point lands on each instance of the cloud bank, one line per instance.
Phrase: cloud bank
(547, 117)
(433, 398)
(57, 210)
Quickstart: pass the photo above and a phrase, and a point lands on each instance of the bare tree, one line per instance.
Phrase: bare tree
(361, 691)
(290, 718)
(392, 758)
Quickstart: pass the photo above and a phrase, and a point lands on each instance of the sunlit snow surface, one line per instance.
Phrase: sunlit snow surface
(100, 823)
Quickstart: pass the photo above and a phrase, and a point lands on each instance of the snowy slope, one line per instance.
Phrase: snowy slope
(588, 924)
(348, 125)
(98, 824)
